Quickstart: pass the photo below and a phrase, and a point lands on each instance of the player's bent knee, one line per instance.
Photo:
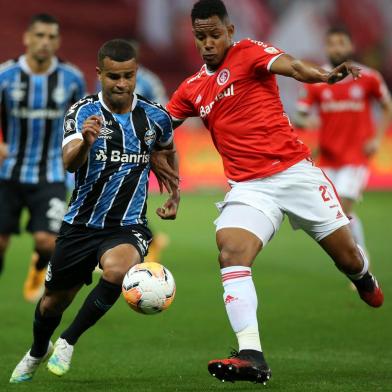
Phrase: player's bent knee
(44, 241)
(238, 251)
(115, 274)
(52, 305)
(4, 242)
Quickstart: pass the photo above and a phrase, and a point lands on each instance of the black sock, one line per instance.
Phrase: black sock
(43, 259)
(43, 329)
(98, 302)
(1, 263)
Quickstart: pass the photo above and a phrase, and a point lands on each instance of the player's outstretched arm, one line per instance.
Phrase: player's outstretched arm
(307, 72)
(164, 163)
(75, 153)
(373, 144)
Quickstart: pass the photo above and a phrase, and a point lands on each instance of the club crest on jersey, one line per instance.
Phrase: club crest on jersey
(150, 136)
(223, 77)
(17, 94)
(356, 92)
(69, 126)
(326, 94)
(59, 95)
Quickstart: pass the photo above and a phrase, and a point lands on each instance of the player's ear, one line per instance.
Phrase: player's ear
(26, 38)
(230, 30)
(99, 72)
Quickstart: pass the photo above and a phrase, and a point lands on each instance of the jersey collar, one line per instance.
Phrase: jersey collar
(25, 67)
(100, 97)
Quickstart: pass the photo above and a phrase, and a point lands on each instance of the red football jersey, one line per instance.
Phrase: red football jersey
(345, 113)
(239, 104)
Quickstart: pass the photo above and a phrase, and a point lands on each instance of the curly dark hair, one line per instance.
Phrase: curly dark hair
(204, 9)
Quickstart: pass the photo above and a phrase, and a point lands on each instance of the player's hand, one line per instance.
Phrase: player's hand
(167, 177)
(3, 152)
(342, 70)
(372, 146)
(170, 208)
(91, 129)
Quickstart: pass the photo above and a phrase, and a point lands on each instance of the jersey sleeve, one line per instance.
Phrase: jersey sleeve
(179, 106)
(74, 119)
(306, 98)
(261, 55)
(165, 125)
(379, 89)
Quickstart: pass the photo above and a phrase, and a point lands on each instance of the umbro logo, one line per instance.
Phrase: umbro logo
(105, 133)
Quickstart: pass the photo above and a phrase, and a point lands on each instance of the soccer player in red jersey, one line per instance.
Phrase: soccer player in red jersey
(347, 135)
(271, 175)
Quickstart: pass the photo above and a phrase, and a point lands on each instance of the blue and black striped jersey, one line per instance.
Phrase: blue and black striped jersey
(32, 113)
(111, 187)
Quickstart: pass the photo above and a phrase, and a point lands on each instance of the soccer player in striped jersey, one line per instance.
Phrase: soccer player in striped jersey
(108, 140)
(35, 92)
(150, 86)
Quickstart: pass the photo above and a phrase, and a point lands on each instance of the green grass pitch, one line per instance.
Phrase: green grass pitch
(317, 334)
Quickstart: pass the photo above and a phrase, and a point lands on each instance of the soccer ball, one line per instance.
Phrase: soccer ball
(149, 288)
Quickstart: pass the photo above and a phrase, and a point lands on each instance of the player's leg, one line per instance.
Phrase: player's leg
(159, 242)
(117, 254)
(352, 260)
(47, 206)
(355, 222)
(241, 232)
(71, 266)
(349, 182)
(47, 317)
(317, 210)
(115, 263)
(11, 205)
(4, 242)
(44, 243)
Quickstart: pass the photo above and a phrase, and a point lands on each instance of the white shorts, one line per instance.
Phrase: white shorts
(349, 180)
(302, 192)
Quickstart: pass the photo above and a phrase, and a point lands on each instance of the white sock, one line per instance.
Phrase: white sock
(241, 306)
(357, 230)
(365, 268)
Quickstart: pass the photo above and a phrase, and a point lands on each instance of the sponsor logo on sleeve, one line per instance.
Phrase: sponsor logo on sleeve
(70, 126)
(271, 50)
(150, 136)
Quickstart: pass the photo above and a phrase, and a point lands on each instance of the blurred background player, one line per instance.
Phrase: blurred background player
(35, 91)
(269, 170)
(348, 138)
(105, 222)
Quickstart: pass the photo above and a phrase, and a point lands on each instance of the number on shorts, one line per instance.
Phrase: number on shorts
(324, 193)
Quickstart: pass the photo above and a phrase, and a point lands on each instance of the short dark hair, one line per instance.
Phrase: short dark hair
(117, 50)
(42, 18)
(204, 9)
(338, 30)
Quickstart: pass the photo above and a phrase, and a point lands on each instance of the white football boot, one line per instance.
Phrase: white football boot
(60, 361)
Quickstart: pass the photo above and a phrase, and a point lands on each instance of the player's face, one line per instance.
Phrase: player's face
(42, 40)
(339, 48)
(213, 38)
(118, 81)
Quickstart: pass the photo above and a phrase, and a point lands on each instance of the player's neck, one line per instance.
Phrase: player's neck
(116, 108)
(38, 67)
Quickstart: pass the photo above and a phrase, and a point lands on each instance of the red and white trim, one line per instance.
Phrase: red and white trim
(237, 272)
